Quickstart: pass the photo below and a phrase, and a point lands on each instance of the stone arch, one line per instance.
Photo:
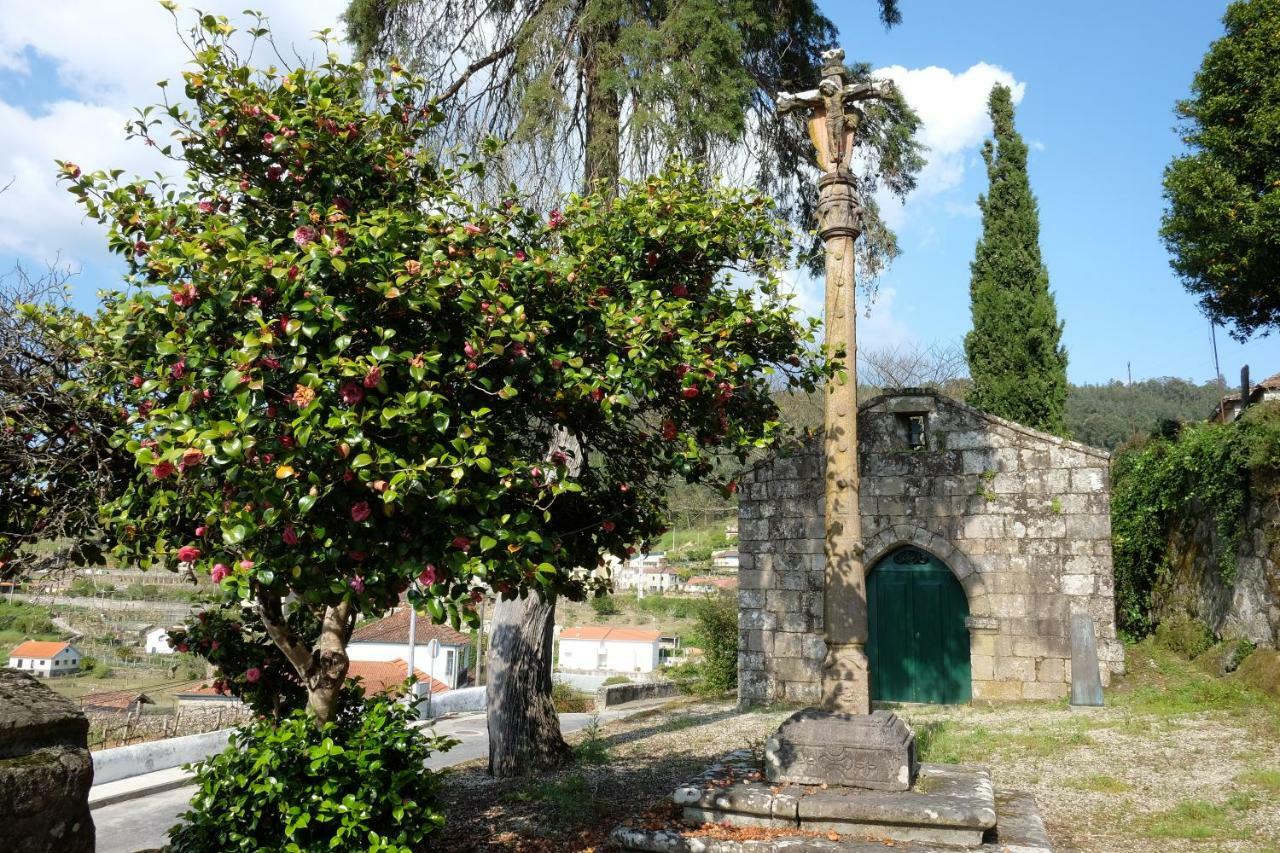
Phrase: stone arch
(898, 535)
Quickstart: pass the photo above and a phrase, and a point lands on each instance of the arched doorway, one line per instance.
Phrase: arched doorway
(918, 644)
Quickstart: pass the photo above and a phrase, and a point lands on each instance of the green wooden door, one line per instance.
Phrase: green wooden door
(918, 645)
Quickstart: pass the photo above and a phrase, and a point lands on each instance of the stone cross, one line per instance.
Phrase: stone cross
(834, 119)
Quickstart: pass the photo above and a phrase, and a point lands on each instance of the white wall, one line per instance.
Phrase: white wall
(158, 642)
(619, 656)
(400, 651)
(123, 762)
(67, 663)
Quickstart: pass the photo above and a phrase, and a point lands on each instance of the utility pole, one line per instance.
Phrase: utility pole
(834, 119)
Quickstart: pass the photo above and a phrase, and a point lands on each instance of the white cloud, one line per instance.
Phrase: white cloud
(953, 113)
(108, 54)
(878, 326)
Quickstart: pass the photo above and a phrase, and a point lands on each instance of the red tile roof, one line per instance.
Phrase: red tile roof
(719, 583)
(378, 676)
(394, 628)
(116, 699)
(604, 632)
(38, 649)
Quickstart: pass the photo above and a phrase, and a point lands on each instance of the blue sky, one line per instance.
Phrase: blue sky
(1096, 83)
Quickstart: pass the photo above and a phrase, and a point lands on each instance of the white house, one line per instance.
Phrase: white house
(388, 640)
(725, 559)
(704, 585)
(45, 659)
(157, 642)
(597, 648)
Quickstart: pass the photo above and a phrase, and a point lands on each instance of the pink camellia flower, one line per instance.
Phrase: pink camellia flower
(520, 255)
(559, 457)
(360, 511)
(206, 207)
(290, 535)
(200, 531)
(136, 381)
(185, 296)
(163, 470)
(193, 456)
(351, 393)
(412, 267)
(461, 543)
(357, 583)
(179, 368)
(268, 138)
(188, 554)
(304, 236)
(468, 350)
(471, 228)
(428, 576)
(555, 220)
(246, 565)
(252, 674)
(373, 377)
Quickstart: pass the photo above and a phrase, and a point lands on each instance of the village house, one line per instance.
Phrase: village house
(603, 649)
(1233, 404)
(121, 702)
(156, 641)
(725, 559)
(388, 640)
(983, 540)
(45, 659)
(709, 584)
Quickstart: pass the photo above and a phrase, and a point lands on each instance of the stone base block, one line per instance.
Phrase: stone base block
(813, 747)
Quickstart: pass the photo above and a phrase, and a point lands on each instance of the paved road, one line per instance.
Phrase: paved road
(142, 824)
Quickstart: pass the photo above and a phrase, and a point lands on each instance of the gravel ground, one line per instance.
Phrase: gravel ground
(1176, 761)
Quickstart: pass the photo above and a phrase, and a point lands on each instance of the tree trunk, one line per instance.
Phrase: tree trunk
(524, 730)
(603, 111)
(323, 669)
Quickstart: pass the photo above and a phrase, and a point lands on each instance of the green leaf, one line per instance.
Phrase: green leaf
(362, 460)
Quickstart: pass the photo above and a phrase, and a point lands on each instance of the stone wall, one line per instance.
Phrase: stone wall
(1249, 606)
(1021, 517)
(45, 771)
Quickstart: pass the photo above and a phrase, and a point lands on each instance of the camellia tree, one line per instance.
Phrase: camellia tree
(343, 381)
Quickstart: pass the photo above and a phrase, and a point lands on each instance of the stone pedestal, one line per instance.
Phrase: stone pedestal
(45, 769)
(812, 747)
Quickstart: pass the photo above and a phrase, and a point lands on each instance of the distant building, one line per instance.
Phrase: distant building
(1229, 408)
(598, 648)
(731, 530)
(647, 572)
(388, 640)
(725, 559)
(387, 677)
(115, 702)
(202, 694)
(156, 642)
(45, 659)
(707, 584)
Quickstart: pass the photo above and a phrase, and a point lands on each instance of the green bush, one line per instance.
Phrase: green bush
(100, 669)
(26, 619)
(615, 679)
(569, 700)
(604, 605)
(717, 629)
(358, 783)
(1184, 636)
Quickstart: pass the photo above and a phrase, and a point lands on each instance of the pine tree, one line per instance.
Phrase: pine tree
(1015, 355)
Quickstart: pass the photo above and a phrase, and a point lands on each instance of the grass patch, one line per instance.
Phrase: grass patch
(1100, 783)
(1199, 820)
(943, 742)
(1171, 685)
(1266, 779)
(570, 795)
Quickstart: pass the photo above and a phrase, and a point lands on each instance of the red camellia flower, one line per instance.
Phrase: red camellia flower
(559, 457)
(185, 296)
(428, 576)
(179, 368)
(274, 171)
(690, 392)
(136, 381)
(680, 291)
(164, 469)
(141, 247)
(669, 430)
(608, 526)
(188, 553)
(290, 535)
(287, 441)
(304, 236)
(351, 393)
(461, 543)
(681, 370)
(373, 377)
(192, 457)
(520, 255)
(252, 674)
(206, 207)
(360, 511)
(477, 596)
(597, 395)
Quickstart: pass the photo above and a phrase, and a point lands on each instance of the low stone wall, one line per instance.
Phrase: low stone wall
(45, 771)
(454, 702)
(124, 762)
(618, 694)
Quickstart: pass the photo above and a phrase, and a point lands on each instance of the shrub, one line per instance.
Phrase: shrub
(1261, 671)
(604, 605)
(615, 679)
(1184, 635)
(569, 700)
(357, 783)
(718, 638)
(101, 670)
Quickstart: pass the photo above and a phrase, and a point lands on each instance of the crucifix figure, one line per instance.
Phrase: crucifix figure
(834, 119)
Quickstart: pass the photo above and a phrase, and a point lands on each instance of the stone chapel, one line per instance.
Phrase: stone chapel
(982, 538)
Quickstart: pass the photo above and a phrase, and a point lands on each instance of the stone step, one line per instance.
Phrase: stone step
(949, 804)
(1018, 829)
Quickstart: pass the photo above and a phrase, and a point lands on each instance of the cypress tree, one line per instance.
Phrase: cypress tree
(1015, 354)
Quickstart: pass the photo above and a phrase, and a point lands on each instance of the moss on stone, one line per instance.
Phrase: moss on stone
(1261, 671)
(1184, 636)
